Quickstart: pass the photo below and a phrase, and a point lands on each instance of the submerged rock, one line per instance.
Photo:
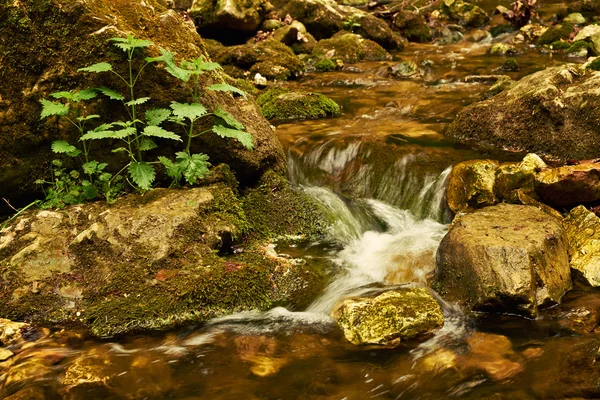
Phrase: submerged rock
(504, 258)
(392, 316)
(284, 105)
(471, 185)
(569, 185)
(549, 112)
(583, 231)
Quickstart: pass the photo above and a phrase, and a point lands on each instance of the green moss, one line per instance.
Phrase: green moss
(577, 46)
(349, 48)
(271, 59)
(325, 65)
(556, 33)
(510, 65)
(594, 65)
(413, 26)
(284, 105)
(276, 209)
(560, 45)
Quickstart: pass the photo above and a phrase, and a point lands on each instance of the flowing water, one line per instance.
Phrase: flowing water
(380, 170)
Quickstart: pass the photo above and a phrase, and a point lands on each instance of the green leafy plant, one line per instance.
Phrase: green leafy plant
(192, 167)
(136, 135)
(352, 22)
(72, 188)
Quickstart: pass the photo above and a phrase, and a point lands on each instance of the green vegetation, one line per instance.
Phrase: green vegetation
(325, 65)
(135, 136)
(594, 65)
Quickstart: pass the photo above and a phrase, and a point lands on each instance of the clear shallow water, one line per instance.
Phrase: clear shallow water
(380, 169)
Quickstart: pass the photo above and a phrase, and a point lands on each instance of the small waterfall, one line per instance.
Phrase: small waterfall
(354, 171)
(404, 252)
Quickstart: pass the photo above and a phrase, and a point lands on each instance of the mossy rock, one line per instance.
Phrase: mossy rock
(466, 14)
(272, 59)
(541, 113)
(510, 65)
(560, 45)
(241, 15)
(157, 261)
(578, 49)
(51, 39)
(583, 230)
(555, 33)
(389, 318)
(324, 18)
(325, 65)
(471, 185)
(296, 37)
(501, 49)
(350, 48)
(503, 83)
(413, 26)
(284, 105)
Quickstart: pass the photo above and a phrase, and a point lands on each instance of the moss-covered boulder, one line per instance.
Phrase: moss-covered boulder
(569, 185)
(464, 13)
(389, 318)
(240, 15)
(471, 185)
(272, 59)
(285, 105)
(556, 32)
(505, 258)
(501, 49)
(554, 112)
(350, 48)
(324, 18)
(51, 39)
(159, 260)
(583, 230)
(413, 26)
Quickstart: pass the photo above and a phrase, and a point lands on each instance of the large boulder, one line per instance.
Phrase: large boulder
(551, 112)
(569, 185)
(392, 316)
(324, 18)
(413, 26)
(158, 260)
(505, 258)
(237, 15)
(583, 230)
(50, 40)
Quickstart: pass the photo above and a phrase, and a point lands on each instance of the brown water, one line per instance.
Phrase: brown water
(380, 168)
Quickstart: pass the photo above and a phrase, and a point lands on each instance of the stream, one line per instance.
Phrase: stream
(380, 169)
